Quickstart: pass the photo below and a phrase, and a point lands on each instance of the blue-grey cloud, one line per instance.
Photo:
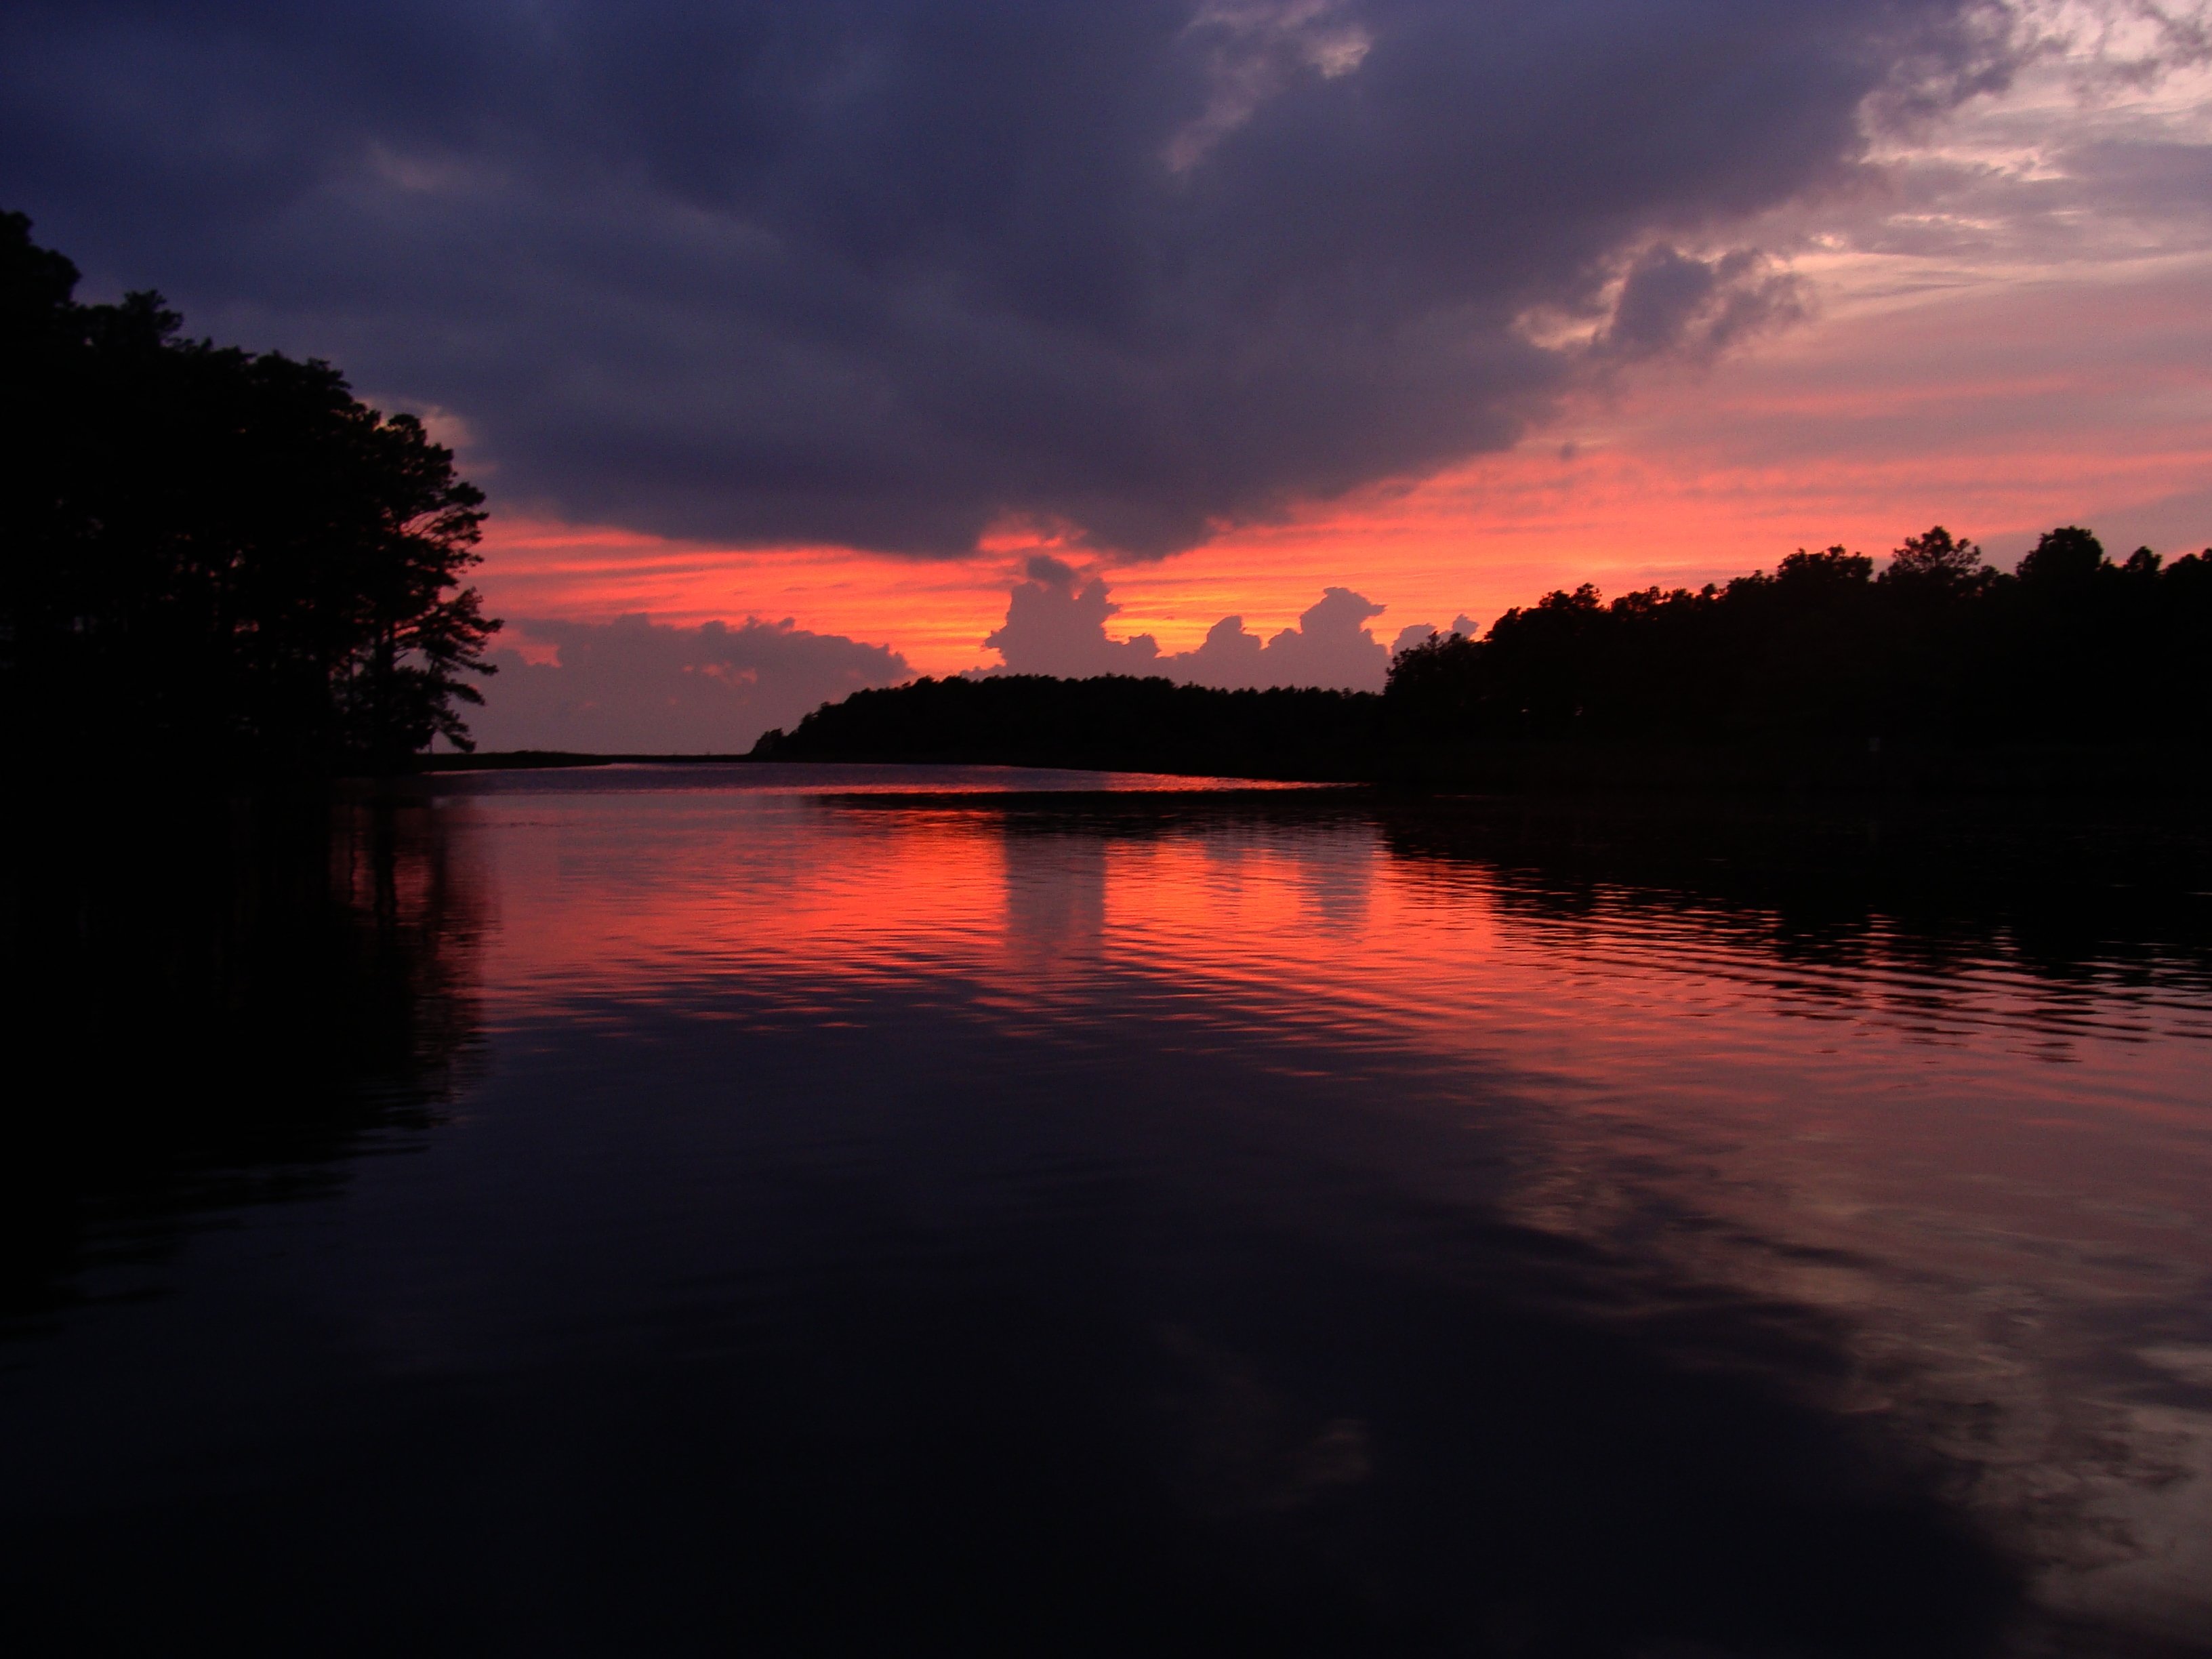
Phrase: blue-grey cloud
(1670, 302)
(1056, 621)
(1056, 624)
(1415, 634)
(635, 687)
(885, 272)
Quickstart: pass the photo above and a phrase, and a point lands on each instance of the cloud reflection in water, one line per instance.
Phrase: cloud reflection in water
(1189, 1223)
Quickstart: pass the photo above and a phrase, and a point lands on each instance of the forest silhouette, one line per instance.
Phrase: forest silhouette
(217, 558)
(1110, 722)
(1939, 646)
(2071, 670)
(222, 560)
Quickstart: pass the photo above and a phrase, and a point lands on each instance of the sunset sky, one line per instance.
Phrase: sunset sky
(848, 326)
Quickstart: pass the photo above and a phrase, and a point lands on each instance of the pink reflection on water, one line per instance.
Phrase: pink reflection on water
(1994, 1178)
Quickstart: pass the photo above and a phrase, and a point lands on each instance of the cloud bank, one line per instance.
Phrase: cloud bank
(634, 687)
(1056, 624)
(887, 274)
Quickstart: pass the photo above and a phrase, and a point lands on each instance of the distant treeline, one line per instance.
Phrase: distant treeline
(215, 558)
(1937, 668)
(1115, 722)
(2070, 648)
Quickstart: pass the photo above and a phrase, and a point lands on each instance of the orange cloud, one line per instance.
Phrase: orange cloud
(1998, 411)
(936, 613)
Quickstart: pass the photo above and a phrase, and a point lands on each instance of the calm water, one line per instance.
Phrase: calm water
(868, 1211)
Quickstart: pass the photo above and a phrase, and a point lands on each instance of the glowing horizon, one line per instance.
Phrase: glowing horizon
(1829, 434)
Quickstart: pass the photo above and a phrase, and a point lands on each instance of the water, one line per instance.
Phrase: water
(866, 1210)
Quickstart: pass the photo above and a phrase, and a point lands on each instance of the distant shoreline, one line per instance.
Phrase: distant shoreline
(2171, 773)
(514, 760)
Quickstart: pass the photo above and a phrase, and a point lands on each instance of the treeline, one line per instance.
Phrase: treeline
(2071, 671)
(215, 557)
(1937, 648)
(1115, 722)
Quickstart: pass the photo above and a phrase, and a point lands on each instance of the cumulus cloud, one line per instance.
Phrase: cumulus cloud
(1056, 622)
(635, 687)
(1330, 645)
(870, 273)
(1415, 634)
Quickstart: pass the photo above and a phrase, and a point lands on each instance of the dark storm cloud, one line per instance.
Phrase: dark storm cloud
(1671, 302)
(882, 273)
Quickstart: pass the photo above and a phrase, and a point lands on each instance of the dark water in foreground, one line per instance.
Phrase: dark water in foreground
(650, 1210)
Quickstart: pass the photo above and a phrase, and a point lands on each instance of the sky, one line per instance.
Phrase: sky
(806, 348)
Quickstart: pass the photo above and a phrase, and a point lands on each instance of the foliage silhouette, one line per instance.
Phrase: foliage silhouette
(215, 555)
(1113, 721)
(2072, 671)
(1937, 648)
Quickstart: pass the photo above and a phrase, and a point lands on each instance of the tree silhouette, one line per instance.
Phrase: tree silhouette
(216, 555)
(1938, 647)
(1937, 563)
(2064, 559)
(1937, 653)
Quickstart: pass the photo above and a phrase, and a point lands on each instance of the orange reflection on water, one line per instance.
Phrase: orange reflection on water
(1974, 1163)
